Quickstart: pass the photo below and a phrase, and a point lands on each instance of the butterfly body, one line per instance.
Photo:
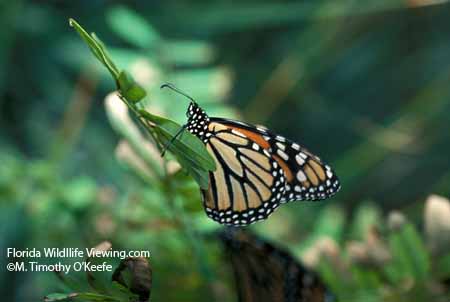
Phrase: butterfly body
(257, 170)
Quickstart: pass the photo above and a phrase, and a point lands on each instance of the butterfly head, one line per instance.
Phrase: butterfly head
(195, 112)
(198, 120)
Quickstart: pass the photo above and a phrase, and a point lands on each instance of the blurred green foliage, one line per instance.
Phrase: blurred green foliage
(363, 84)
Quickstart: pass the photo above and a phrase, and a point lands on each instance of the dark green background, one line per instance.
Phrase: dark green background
(364, 84)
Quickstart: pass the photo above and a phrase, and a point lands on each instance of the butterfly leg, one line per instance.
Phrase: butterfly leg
(180, 131)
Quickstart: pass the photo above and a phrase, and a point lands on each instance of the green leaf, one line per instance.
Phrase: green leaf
(73, 282)
(410, 258)
(418, 256)
(187, 148)
(99, 280)
(367, 280)
(121, 19)
(87, 38)
(97, 297)
(106, 58)
(201, 176)
(120, 291)
(129, 88)
(97, 48)
(57, 297)
(189, 142)
(332, 277)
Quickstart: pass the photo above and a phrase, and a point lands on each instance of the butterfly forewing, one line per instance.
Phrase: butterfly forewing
(308, 178)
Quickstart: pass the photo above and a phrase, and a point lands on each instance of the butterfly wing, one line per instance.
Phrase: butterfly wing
(264, 272)
(307, 176)
(248, 184)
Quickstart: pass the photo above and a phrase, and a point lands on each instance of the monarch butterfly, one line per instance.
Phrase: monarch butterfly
(257, 170)
(263, 272)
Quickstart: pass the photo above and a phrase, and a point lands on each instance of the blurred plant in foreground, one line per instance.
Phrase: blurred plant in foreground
(130, 281)
(389, 259)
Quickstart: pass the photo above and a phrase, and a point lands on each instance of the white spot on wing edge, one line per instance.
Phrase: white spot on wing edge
(296, 146)
(281, 146)
(280, 138)
(259, 128)
(282, 154)
(299, 160)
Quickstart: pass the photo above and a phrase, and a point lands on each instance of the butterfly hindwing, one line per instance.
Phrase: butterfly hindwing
(248, 184)
(308, 178)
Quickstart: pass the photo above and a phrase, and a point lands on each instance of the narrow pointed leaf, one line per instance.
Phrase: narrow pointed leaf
(131, 90)
(96, 47)
(187, 148)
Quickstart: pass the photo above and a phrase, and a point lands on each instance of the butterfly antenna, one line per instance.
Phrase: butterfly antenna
(171, 86)
(180, 131)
